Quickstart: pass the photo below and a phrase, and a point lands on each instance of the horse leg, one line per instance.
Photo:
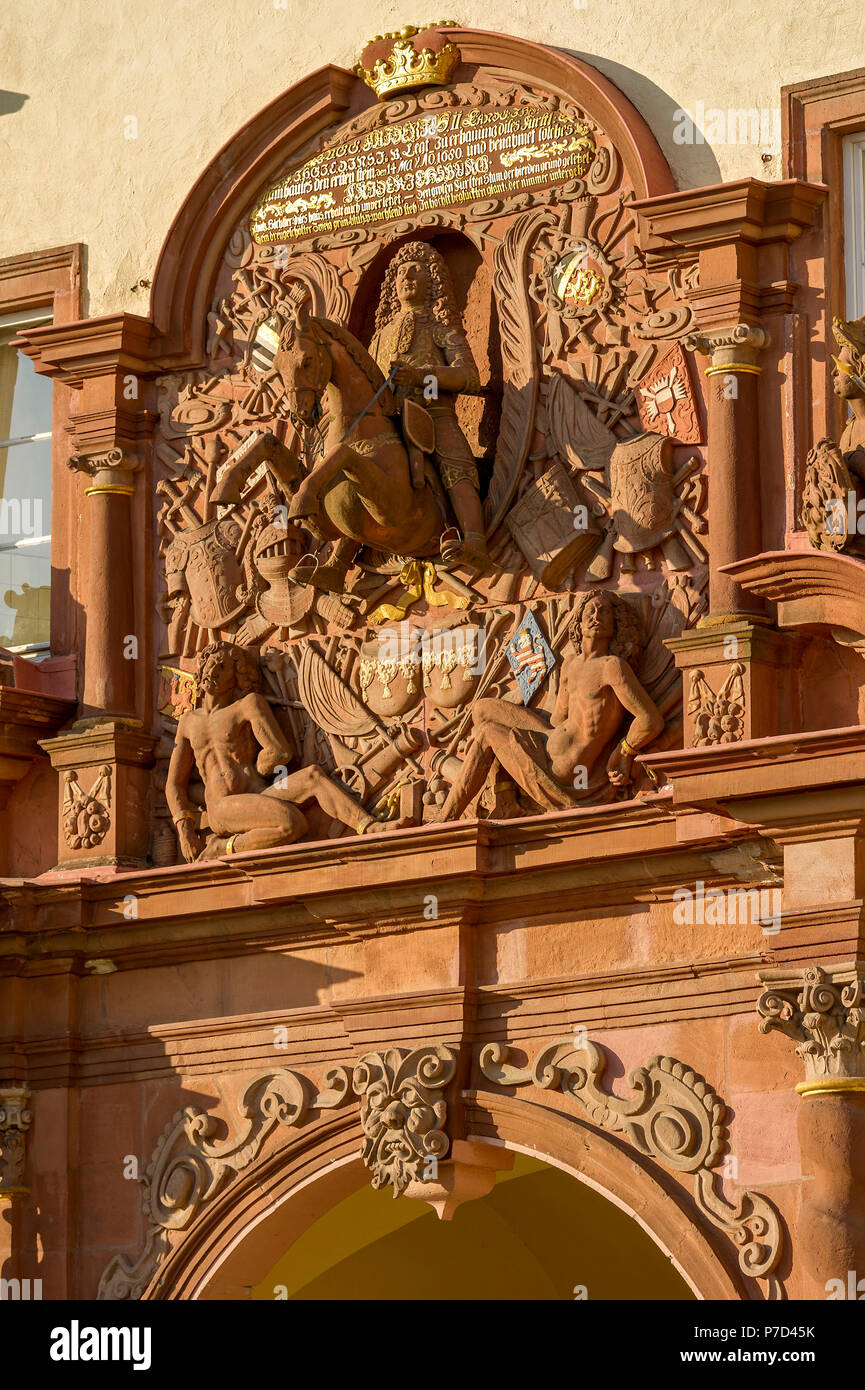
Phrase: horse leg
(305, 500)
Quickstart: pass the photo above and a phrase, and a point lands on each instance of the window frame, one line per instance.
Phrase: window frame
(10, 326)
(47, 285)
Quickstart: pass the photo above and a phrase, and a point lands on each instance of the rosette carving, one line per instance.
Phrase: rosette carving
(675, 1117)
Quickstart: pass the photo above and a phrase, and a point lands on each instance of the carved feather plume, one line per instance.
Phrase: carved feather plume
(519, 359)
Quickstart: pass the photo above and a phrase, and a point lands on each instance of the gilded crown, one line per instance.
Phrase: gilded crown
(405, 66)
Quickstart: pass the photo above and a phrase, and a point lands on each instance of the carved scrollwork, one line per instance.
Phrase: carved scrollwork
(674, 1116)
(752, 1224)
(190, 1165)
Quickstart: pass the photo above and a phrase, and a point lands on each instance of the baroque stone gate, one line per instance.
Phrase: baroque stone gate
(468, 703)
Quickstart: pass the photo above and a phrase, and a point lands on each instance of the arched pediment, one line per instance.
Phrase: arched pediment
(191, 255)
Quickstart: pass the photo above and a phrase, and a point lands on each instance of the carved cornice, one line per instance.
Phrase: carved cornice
(107, 361)
(809, 587)
(728, 226)
(793, 786)
(24, 716)
(74, 352)
(15, 1120)
(822, 1012)
(675, 1118)
(746, 210)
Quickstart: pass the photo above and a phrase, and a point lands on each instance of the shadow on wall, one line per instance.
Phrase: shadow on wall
(693, 162)
(11, 102)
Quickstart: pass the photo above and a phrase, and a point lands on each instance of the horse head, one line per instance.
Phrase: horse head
(303, 362)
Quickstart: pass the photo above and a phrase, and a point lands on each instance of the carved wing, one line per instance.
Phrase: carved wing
(578, 436)
(520, 361)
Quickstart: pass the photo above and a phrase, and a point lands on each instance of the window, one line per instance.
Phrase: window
(25, 493)
(854, 223)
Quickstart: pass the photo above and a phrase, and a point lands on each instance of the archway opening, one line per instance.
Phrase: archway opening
(539, 1234)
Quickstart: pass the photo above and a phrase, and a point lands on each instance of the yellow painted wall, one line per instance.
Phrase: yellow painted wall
(538, 1235)
(191, 72)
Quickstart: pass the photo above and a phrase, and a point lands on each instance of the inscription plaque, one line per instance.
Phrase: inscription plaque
(432, 161)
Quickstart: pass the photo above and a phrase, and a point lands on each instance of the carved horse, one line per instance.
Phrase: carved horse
(362, 485)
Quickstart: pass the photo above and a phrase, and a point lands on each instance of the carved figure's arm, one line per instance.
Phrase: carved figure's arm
(646, 724)
(648, 721)
(276, 749)
(179, 772)
(177, 794)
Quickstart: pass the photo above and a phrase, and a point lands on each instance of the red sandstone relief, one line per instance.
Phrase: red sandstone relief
(415, 428)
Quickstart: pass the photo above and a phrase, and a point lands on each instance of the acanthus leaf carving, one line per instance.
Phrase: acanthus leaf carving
(823, 1013)
(402, 1111)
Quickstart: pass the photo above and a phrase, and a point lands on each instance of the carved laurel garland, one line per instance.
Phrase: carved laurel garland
(674, 1117)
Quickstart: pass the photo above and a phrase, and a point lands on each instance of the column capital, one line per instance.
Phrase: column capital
(111, 470)
(821, 1011)
(731, 347)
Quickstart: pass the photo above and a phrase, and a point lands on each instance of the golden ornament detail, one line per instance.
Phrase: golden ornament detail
(406, 67)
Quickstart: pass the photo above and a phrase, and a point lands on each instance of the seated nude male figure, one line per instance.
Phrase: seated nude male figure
(237, 745)
(544, 754)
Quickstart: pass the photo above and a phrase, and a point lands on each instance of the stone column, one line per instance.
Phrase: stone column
(822, 1012)
(735, 518)
(109, 676)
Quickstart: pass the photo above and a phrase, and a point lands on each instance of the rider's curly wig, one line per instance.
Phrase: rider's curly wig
(627, 641)
(440, 301)
(246, 671)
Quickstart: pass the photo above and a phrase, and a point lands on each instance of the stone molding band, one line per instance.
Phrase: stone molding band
(726, 367)
(840, 1085)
